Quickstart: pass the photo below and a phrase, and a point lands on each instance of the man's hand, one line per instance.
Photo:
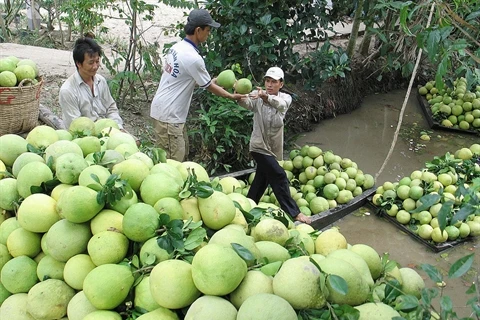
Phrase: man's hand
(259, 94)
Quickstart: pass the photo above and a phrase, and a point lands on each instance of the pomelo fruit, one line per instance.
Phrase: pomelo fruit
(106, 219)
(107, 247)
(49, 299)
(57, 191)
(49, 268)
(64, 134)
(7, 64)
(103, 315)
(85, 179)
(68, 168)
(21, 242)
(12, 146)
(88, 144)
(229, 184)
(227, 236)
(10, 197)
(328, 241)
(143, 296)
(42, 136)
(82, 126)
(169, 170)
(376, 311)
(356, 261)
(143, 157)
(270, 229)
(157, 186)
(254, 282)
(61, 147)
(66, 239)
(19, 274)
(103, 123)
(211, 308)
(24, 72)
(302, 239)
(266, 306)
(79, 306)
(193, 167)
(15, 307)
(226, 79)
(108, 285)
(125, 202)
(171, 207)
(23, 159)
(126, 149)
(272, 251)
(33, 174)
(7, 226)
(159, 313)
(318, 204)
(78, 204)
(37, 213)
(4, 255)
(140, 222)
(171, 284)
(76, 269)
(120, 138)
(217, 270)
(243, 86)
(190, 209)
(28, 62)
(217, 210)
(151, 247)
(371, 257)
(132, 170)
(412, 282)
(7, 78)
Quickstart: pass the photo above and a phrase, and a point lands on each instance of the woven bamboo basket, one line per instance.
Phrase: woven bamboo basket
(19, 107)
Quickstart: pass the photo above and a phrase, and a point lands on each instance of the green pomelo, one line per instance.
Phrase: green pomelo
(254, 282)
(42, 136)
(172, 285)
(107, 247)
(79, 306)
(107, 219)
(76, 269)
(226, 79)
(169, 170)
(69, 166)
(132, 170)
(190, 167)
(66, 239)
(85, 179)
(303, 239)
(229, 184)
(243, 86)
(319, 204)
(15, 307)
(227, 236)
(6, 227)
(474, 228)
(108, 285)
(369, 181)
(82, 126)
(171, 207)
(271, 230)
(272, 251)
(57, 191)
(4, 255)
(330, 191)
(49, 299)
(21, 242)
(356, 261)
(125, 202)
(217, 211)
(103, 315)
(266, 306)
(143, 157)
(10, 197)
(19, 274)
(329, 241)
(151, 248)
(376, 311)
(49, 268)
(358, 290)
(298, 281)
(140, 222)
(190, 209)
(103, 123)
(78, 204)
(143, 296)
(61, 147)
(211, 308)
(120, 138)
(157, 186)
(12, 146)
(64, 135)
(4, 294)
(24, 72)
(109, 158)
(126, 149)
(23, 159)
(33, 174)
(239, 220)
(160, 313)
(412, 282)
(28, 62)
(217, 270)
(371, 257)
(88, 144)
(7, 64)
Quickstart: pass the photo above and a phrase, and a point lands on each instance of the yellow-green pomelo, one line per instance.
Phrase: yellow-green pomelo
(358, 290)
(151, 248)
(12, 146)
(28, 62)
(3, 169)
(270, 229)
(217, 270)
(23, 159)
(103, 123)
(143, 157)
(242, 200)
(328, 241)
(79, 306)
(10, 197)
(369, 181)
(132, 170)
(211, 308)
(66, 239)
(126, 149)
(4, 294)
(157, 186)
(243, 86)
(125, 202)
(143, 295)
(78, 204)
(4, 255)
(229, 184)
(301, 237)
(85, 178)
(272, 251)
(412, 282)
(76, 269)
(120, 138)
(61, 147)
(217, 211)
(394, 274)
(107, 247)
(33, 174)
(109, 131)
(376, 311)
(140, 222)
(108, 285)
(64, 134)
(266, 306)
(318, 204)
(254, 282)
(15, 307)
(49, 299)
(226, 79)
(172, 285)
(57, 191)
(190, 209)
(371, 257)
(239, 220)
(49, 268)
(169, 170)
(356, 261)
(191, 167)
(21, 242)
(42, 136)
(107, 219)
(82, 126)
(103, 315)
(298, 281)
(474, 228)
(68, 168)
(227, 236)
(171, 207)
(19, 274)
(108, 160)
(6, 227)
(160, 313)
(88, 144)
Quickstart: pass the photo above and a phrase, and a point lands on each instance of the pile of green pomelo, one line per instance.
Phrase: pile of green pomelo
(456, 107)
(448, 186)
(15, 71)
(77, 244)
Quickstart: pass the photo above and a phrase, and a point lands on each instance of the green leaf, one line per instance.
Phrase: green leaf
(443, 214)
(427, 201)
(432, 272)
(407, 303)
(338, 284)
(461, 266)
(463, 213)
(165, 243)
(243, 252)
(195, 238)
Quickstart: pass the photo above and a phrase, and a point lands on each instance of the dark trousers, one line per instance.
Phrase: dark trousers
(269, 172)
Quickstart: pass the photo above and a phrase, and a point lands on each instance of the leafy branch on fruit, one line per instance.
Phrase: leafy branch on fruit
(194, 188)
(112, 191)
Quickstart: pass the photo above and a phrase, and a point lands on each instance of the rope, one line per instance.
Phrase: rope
(402, 111)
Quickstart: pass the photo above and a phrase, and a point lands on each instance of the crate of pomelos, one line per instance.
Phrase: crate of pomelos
(437, 205)
(456, 108)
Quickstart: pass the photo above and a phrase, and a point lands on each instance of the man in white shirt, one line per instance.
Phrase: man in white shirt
(184, 69)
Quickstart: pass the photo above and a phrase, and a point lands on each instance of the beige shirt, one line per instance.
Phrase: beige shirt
(76, 100)
(268, 117)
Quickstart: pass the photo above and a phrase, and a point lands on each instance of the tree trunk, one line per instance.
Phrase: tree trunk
(365, 44)
(356, 25)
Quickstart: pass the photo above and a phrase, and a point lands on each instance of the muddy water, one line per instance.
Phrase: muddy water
(365, 136)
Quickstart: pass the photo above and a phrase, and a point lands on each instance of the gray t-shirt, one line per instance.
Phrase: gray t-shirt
(184, 68)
